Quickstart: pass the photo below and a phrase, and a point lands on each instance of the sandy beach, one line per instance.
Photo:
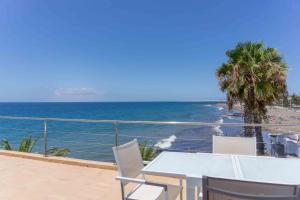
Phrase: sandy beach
(280, 115)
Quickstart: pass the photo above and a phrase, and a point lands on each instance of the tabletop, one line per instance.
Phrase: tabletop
(253, 168)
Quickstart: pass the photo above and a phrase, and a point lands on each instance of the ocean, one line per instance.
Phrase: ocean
(93, 141)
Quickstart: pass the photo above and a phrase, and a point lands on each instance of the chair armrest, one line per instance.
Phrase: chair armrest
(132, 180)
(146, 162)
(141, 181)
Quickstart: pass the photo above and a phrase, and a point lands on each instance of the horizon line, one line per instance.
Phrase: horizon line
(158, 101)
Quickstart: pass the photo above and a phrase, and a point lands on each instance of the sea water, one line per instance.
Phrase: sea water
(94, 140)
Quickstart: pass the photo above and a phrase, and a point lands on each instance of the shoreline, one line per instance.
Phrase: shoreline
(277, 115)
(281, 115)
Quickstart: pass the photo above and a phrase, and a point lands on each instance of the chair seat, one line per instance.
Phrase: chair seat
(150, 192)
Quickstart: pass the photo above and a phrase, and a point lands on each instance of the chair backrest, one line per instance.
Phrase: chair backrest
(227, 189)
(234, 145)
(128, 158)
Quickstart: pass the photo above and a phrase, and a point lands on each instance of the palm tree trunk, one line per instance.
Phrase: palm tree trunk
(259, 137)
(248, 119)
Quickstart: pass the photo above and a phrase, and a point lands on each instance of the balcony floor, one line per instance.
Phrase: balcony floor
(23, 178)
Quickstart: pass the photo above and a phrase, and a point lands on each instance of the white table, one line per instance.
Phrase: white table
(252, 168)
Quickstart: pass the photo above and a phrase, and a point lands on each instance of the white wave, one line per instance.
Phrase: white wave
(220, 108)
(228, 117)
(208, 105)
(220, 121)
(166, 143)
(217, 129)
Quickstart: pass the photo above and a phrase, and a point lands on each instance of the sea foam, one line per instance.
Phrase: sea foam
(166, 143)
(220, 108)
(228, 117)
(217, 129)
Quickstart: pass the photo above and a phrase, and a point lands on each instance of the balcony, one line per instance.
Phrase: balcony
(38, 176)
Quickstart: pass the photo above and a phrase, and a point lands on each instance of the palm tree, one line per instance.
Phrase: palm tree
(147, 152)
(29, 142)
(254, 76)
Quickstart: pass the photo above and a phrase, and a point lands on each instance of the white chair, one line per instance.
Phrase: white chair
(234, 145)
(228, 189)
(130, 164)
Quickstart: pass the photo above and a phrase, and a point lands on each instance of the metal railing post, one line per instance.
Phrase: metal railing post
(116, 134)
(45, 138)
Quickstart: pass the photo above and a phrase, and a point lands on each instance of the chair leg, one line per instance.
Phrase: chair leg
(123, 191)
(180, 183)
(166, 196)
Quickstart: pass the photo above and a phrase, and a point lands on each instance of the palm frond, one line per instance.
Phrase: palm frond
(147, 152)
(252, 73)
(55, 151)
(27, 144)
(6, 145)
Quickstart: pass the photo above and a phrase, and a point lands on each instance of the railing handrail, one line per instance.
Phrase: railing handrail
(115, 124)
(145, 122)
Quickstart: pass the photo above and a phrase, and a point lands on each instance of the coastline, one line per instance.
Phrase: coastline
(277, 115)
(281, 115)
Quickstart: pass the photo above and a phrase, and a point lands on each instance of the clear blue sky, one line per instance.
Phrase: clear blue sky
(109, 50)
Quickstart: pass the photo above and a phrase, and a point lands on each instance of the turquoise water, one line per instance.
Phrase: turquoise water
(94, 141)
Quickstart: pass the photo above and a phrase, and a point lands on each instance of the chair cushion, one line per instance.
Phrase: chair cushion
(150, 192)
